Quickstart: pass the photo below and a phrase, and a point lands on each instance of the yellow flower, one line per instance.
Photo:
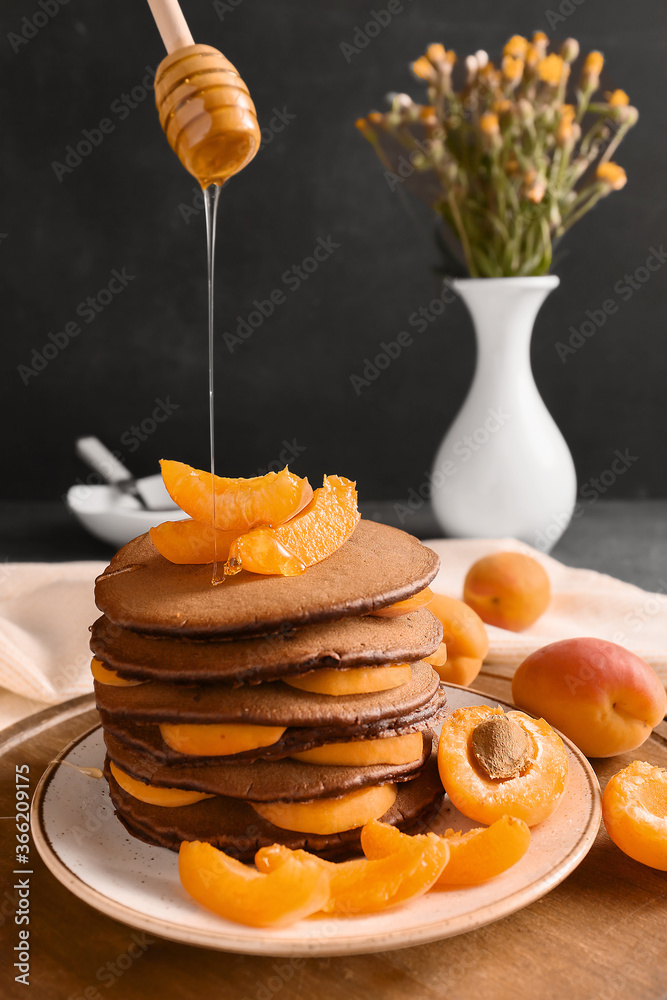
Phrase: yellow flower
(436, 53)
(593, 64)
(488, 123)
(612, 175)
(568, 112)
(539, 38)
(516, 47)
(532, 56)
(423, 69)
(376, 118)
(550, 70)
(501, 106)
(512, 68)
(617, 99)
(568, 132)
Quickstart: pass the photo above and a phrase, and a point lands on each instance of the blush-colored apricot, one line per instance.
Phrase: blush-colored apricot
(414, 603)
(330, 815)
(240, 504)
(199, 739)
(363, 886)
(601, 696)
(465, 639)
(475, 856)
(531, 795)
(356, 680)
(507, 589)
(634, 809)
(312, 535)
(237, 892)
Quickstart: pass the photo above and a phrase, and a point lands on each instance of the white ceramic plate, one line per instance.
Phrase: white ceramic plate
(88, 850)
(117, 517)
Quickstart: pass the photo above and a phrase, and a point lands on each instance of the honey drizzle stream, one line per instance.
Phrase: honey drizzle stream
(211, 196)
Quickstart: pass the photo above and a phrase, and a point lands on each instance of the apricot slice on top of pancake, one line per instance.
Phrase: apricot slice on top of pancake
(238, 892)
(315, 533)
(190, 541)
(240, 504)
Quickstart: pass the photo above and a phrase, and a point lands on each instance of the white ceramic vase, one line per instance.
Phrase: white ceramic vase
(504, 469)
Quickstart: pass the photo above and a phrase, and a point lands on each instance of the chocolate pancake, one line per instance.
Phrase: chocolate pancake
(283, 780)
(269, 704)
(349, 642)
(142, 591)
(146, 737)
(233, 825)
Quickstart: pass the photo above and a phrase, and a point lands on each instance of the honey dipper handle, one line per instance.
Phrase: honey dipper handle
(171, 24)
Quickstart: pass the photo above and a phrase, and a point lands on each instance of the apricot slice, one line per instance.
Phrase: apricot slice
(363, 886)
(357, 680)
(106, 676)
(534, 775)
(507, 589)
(634, 809)
(439, 658)
(239, 893)
(413, 603)
(203, 740)
(191, 542)
(330, 815)
(475, 856)
(465, 638)
(240, 504)
(362, 753)
(152, 794)
(318, 531)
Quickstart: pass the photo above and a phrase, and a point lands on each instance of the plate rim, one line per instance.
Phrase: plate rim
(261, 943)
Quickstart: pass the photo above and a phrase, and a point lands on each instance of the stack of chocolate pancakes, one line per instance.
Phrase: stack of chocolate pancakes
(198, 655)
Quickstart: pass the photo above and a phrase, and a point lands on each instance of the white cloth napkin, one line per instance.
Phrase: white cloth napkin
(584, 603)
(46, 610)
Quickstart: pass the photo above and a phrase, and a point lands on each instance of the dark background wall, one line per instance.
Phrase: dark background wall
(130, 206)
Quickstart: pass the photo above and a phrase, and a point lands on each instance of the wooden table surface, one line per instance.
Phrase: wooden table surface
(600, 934)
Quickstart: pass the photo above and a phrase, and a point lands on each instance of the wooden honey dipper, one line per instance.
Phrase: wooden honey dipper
(204, 106)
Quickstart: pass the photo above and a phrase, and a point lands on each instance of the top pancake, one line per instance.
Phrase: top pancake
(377, 566)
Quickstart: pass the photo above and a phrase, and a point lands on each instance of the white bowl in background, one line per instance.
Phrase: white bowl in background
(117, 517)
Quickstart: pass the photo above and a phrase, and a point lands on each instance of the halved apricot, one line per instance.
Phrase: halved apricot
(240, 504)
(356, 680)
(155, 795)
(191, 542)
(634, 809)
(106, 676)
(330, 815)
(239, 893)
(475, 856)
(363, 753)
(318, 531)
(210, 740)
(363, 886)
(533, 775)
(414, 603)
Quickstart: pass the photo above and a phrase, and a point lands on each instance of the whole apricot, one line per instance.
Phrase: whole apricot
(465, 637)
(603, 697)
(507, 589)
